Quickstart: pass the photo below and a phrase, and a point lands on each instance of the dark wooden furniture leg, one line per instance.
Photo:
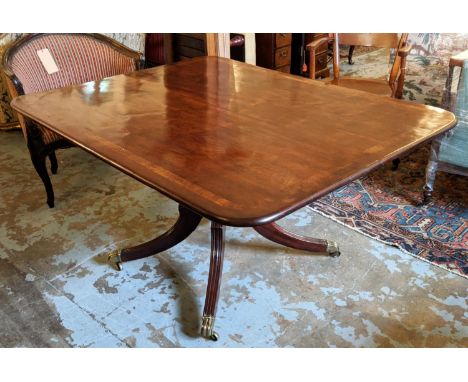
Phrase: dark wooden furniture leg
(274, 232)
(183, 227)
(39, 162)
(350, 55)
(38, 153)
(214, 281)
(395, 164)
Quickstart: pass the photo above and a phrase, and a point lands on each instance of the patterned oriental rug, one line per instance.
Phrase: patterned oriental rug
(385, 205)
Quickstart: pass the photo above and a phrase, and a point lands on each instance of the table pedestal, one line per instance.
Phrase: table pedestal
(186, 223)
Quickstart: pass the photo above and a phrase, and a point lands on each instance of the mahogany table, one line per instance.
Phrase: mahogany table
(237, 144)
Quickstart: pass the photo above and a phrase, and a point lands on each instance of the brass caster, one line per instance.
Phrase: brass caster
(207, 328)
(114, 258)
(332, 249)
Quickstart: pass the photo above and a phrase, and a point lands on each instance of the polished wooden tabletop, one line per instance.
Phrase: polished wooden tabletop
(239, 144)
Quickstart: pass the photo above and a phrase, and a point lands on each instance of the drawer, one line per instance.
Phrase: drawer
(283, 56)
(321, 61)
(283, 39)
(284, 69)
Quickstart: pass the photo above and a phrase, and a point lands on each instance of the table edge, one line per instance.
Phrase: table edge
(256, 220)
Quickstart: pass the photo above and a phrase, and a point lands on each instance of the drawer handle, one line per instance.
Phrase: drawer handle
(284, 53)
(320, 60)
(283, 34)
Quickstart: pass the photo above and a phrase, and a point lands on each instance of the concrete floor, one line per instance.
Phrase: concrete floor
(56, 289)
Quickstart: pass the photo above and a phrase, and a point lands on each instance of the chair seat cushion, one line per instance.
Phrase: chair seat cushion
(379, 87)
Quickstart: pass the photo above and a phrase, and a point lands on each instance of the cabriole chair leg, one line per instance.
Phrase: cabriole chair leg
(53, 162)
(39, 162)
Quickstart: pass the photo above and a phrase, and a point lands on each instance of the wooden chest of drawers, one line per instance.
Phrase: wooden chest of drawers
(274, 50)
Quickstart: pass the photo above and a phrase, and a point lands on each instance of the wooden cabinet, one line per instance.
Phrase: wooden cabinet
(273, 50)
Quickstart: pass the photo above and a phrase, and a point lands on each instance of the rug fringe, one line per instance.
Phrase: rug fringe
(385, 242)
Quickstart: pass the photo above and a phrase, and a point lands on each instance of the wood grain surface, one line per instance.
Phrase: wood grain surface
(239, 144)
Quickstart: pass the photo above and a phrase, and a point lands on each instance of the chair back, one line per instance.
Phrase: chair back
(454, 144)
(79, 58)
(380, 40)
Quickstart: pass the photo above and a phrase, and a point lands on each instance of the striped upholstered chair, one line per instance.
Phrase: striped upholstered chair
(79, 58)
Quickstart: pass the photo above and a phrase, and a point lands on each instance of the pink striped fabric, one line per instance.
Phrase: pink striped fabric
(80, 58)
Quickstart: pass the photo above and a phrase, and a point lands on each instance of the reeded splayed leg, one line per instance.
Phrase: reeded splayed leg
(183, 227)
(214, 281)
(274, 232)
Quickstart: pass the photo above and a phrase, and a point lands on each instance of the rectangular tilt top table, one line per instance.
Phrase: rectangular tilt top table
(237, 144)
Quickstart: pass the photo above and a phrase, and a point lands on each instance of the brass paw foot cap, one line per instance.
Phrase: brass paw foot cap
(332, 248)
(114, 258)
(207, 328)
